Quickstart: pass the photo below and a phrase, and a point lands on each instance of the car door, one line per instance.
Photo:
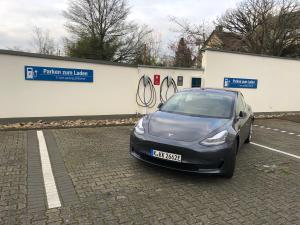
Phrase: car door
(242, 120)
(247, 118)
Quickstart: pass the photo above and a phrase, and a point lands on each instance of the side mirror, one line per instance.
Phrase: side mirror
(160, 105)
(242, 114)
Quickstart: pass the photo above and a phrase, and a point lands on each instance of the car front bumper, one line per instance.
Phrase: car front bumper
(194, 157)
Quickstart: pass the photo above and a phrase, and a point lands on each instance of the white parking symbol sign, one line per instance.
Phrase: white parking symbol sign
(226, 83)
(29, 73)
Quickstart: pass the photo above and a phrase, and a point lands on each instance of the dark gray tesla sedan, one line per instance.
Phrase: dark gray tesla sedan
(196, 130)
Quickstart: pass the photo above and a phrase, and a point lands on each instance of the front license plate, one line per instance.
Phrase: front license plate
(165, 155)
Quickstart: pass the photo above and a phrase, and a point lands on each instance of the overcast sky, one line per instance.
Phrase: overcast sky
(17, 17)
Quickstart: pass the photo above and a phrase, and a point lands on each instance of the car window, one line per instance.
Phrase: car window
(200, 103)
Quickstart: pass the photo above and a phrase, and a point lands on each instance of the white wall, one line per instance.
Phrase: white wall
(112, 92)
(278, 79)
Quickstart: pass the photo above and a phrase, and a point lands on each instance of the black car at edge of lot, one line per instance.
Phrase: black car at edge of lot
(196, 130)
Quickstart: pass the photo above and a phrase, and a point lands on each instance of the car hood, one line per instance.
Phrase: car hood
(182, 127)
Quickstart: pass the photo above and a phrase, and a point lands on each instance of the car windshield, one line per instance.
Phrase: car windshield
(208, 104)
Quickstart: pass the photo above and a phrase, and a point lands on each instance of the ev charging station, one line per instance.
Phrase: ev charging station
(146, 95)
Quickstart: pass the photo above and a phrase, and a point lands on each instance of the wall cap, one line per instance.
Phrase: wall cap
(82, 60)
(249, 54)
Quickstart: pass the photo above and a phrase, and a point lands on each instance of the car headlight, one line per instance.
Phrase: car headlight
(217, 139)
(139, 129)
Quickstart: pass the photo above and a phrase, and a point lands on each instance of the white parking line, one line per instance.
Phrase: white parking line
(275, 150)
(275, 129)
(49, 182)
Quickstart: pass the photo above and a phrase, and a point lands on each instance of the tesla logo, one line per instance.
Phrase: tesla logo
(170, 135)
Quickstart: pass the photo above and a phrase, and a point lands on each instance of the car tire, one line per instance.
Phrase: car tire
(230, 164)
(248, 140)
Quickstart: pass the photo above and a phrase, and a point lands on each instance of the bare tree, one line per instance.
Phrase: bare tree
(131, 44)
(150, 51)
(194, 34)
(42, 42)
(266, 26)
(101, 30)
(154, 46)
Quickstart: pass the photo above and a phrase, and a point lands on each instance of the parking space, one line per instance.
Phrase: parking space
(280, 134)
(98, 182)
(283, 126)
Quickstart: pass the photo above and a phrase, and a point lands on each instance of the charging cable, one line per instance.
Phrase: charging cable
(145, 86)
(170, 83)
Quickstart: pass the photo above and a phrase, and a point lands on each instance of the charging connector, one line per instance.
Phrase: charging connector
(169, 82)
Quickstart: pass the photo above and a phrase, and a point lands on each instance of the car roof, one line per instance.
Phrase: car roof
(213, 90)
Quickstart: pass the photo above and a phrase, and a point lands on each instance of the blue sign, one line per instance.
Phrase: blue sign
(58, 74)
(240, 83)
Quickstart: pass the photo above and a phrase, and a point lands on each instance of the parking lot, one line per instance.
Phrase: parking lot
(98, 182)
